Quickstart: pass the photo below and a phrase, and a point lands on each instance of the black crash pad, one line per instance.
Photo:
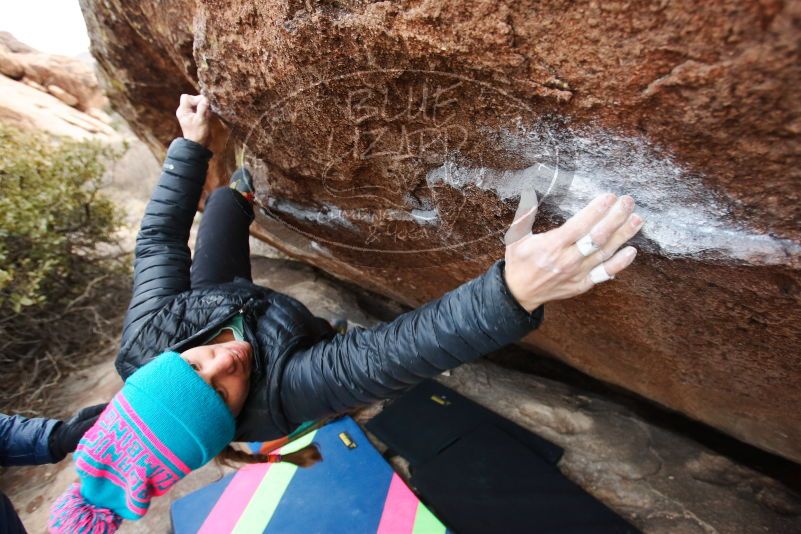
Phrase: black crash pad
(487, 481)
(480, 472)
(430, 416)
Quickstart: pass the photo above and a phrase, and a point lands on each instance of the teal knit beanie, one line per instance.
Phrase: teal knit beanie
(165, 422)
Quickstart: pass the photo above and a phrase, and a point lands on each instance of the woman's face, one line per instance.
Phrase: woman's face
(226, 368)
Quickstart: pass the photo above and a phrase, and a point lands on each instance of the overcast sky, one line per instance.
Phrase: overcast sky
(53, 26)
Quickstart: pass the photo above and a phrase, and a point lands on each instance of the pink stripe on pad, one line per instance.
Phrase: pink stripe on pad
(400, 509)
(236, 497)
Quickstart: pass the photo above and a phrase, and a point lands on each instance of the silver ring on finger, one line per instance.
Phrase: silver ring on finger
(599, 274)
(587, 246)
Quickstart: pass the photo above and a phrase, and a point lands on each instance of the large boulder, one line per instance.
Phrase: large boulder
(54, 94)
(392, 142)
(28, 107)
(74, 80)
(10, 67)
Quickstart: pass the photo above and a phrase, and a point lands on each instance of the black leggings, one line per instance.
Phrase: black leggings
(222, 249)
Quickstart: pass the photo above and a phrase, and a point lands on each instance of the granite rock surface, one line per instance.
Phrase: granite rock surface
(392, 141)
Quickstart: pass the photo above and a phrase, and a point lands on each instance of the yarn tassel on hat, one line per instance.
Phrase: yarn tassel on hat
(72, 513)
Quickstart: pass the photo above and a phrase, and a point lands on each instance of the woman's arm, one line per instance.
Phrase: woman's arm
(35, 441)
(24, 441)
(365, 365)
(480, 316)
(162, 256)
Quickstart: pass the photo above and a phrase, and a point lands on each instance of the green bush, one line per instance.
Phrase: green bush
(57, 243)
(52, 218)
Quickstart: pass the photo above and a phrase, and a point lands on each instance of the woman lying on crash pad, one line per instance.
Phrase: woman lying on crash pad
(208, 357)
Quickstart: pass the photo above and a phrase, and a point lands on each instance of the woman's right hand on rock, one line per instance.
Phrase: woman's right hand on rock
(194, 116)
(550, 266)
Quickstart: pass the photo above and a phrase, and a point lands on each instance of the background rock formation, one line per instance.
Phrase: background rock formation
(57, 94)
(392, 141)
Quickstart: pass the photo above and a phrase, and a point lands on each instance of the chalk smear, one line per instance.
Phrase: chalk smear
(683, 218)
(328, 214)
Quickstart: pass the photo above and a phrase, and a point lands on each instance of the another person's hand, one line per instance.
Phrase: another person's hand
(194, 117)
(552, 265)
(65, 436)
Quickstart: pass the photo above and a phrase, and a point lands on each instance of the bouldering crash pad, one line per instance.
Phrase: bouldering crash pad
(481, 473)
(352, 490)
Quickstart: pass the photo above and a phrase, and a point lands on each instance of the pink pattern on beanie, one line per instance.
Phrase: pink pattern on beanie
(81, 515)
(165, 422)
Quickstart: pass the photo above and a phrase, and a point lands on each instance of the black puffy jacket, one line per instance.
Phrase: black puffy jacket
(299, 374)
